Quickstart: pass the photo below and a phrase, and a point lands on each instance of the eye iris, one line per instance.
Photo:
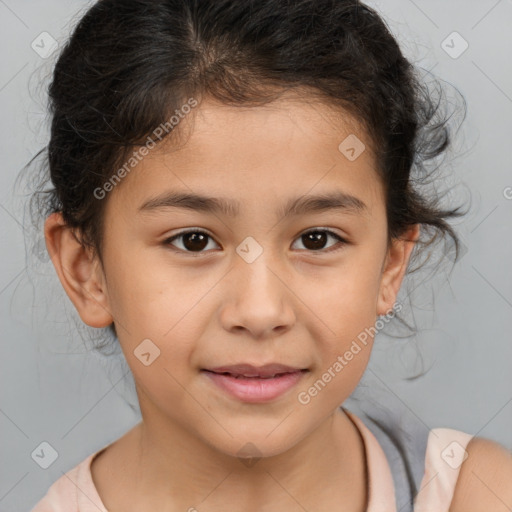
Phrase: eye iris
(195, 241)
(198, 241)
(315, 239)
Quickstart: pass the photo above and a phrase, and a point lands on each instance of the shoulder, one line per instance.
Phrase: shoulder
(62, 496)
(485, 479)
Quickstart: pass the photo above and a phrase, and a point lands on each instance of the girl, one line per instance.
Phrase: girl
(232, 198)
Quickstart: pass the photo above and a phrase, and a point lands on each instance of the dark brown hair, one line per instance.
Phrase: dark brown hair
(129, 64)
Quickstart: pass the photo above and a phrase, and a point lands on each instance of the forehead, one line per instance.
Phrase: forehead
(272, 152)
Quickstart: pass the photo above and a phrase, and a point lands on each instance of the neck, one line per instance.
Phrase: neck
(176, 468)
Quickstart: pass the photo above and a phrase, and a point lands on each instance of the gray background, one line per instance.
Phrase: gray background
(53, 390)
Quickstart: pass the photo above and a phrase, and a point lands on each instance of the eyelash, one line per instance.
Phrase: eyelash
(341, 241)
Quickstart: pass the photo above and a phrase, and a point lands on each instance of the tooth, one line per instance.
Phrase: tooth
(251, 376)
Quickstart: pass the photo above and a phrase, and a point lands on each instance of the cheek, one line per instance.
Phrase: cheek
(157, 325)
(343, 355)
(160, 359)
(344, 299)
(150, 297)
(344, 313)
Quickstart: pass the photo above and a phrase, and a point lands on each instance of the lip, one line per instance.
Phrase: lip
(255, 384)
(248, 370)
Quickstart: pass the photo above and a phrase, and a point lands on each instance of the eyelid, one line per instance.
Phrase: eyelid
(341, 240)
(334, 248)
(168, 240)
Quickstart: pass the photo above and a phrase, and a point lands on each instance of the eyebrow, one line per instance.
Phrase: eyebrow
(295, 206)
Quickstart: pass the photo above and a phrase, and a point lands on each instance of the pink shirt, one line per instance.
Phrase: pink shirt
(75, 491)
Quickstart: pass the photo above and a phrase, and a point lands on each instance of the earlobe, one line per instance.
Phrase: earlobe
(79, 273)
(395, 267)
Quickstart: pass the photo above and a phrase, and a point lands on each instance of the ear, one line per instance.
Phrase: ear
(80, 274)
(394, 268)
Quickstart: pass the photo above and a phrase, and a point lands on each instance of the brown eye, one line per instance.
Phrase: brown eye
(192, 241)
(316, 240)
(196, 241)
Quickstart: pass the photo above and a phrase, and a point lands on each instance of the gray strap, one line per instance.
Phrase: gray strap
(403, 438)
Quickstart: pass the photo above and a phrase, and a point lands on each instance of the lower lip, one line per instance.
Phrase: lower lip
(253, 389)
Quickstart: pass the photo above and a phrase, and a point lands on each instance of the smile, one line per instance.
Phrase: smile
(255, 385)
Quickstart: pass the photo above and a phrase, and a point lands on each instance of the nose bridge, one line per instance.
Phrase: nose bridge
(260, 299)
(256, 270)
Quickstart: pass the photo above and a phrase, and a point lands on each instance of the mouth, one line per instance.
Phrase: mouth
(255, 384)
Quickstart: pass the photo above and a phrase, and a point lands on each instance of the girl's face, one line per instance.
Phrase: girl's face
(255, 288)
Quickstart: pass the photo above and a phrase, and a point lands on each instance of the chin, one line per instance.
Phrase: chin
(258, 441)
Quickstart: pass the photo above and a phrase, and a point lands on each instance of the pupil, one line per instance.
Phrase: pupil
(315, 239)
(198, 241)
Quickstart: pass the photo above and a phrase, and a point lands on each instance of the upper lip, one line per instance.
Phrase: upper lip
(248, 370)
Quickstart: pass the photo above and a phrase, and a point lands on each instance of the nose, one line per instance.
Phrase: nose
(260, 300)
